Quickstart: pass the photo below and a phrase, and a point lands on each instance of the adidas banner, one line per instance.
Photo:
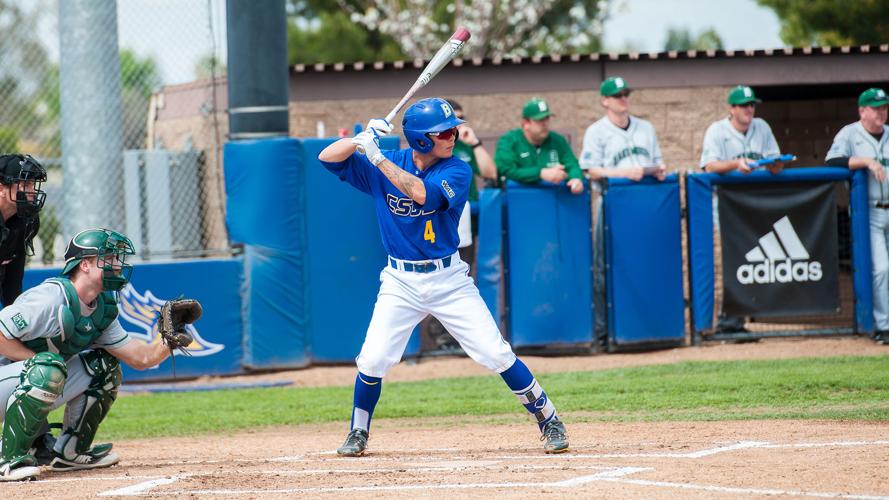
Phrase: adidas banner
(779, 249)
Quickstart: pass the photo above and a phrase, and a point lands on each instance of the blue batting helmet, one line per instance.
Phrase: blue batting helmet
(424, 116)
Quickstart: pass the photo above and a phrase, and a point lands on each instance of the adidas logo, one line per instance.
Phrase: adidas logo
(779, 257)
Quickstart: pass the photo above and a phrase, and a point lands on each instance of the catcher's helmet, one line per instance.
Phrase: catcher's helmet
(24, 168)
(110, 248)
(425, 116)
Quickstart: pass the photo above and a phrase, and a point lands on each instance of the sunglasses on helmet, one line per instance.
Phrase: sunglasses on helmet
(444, 135)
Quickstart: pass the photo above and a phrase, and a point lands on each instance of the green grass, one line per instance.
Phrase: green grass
(851, 388)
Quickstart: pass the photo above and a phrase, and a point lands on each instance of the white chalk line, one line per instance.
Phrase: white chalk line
(142, 487)
(570, 483)
(145, 486)
(749, 491)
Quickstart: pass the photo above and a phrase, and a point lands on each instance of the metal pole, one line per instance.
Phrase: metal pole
(92, 123)
(257, 69)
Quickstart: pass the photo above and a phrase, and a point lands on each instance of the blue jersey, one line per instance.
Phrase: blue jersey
(411, 231)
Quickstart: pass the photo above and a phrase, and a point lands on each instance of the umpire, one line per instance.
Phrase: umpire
(21, 198)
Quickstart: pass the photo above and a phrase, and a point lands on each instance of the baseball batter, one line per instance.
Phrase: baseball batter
(60, 343)
(419, 193)
(739, 140)
(618, 144)
(865, 144)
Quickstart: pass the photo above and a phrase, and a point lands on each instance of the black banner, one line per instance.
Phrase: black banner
(779, 249)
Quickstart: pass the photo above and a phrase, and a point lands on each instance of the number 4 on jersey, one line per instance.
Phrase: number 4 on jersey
(429, 234)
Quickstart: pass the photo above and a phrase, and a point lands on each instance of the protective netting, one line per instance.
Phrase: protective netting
(173, 199)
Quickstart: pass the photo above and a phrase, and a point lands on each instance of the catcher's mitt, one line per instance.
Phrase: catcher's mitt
(174, 316)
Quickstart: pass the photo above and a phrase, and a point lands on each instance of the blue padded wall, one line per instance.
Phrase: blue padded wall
(644, 262)
(265, 210)
(489, 262)
(345, 260)
(700, 228)
(214, 282)
(549, 262)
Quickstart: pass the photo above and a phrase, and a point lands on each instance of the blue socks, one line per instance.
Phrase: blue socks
(518, 377)
(367, 393)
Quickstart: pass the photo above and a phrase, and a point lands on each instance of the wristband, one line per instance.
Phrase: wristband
(477, 144)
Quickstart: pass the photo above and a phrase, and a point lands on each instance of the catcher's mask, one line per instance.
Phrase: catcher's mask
(111, 250)
(30, 175)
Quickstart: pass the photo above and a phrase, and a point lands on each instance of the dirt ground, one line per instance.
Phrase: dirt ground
(502, 456)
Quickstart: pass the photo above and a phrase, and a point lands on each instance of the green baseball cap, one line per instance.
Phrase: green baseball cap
(873, 98)
(536, 109)
(741, 94)
(612, 86)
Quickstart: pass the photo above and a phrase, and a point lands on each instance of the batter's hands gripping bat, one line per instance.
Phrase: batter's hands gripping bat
(441, 59)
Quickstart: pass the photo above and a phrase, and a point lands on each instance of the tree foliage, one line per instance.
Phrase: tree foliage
(321, 31)
(681, 39)
(832, 22)
(24, 67)
(356, 30)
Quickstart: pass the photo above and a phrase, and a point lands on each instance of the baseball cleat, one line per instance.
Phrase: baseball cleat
(556, 440)
(355, 445)
(19, 469)
(97, 457)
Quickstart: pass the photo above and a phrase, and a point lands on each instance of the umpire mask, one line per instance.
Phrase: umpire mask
(28, 175)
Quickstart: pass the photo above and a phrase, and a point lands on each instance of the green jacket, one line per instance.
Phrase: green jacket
(519, 160)
(464, 152)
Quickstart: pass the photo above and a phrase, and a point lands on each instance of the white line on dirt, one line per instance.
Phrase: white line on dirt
(43, 480)
(140, 488)
(747, 491)
(307, 472)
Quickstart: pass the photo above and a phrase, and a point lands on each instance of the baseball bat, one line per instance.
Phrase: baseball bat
(441, 59)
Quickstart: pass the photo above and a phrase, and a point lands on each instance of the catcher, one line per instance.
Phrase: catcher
(60, 343)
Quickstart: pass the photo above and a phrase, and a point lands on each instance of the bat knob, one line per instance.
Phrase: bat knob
(461, 34)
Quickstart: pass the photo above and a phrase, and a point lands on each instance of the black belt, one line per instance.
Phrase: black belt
(882, 205)
(421, 267)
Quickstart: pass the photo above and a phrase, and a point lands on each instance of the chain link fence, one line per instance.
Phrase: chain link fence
(173, 198)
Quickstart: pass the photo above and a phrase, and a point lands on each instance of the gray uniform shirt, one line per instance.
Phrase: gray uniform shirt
(35, 314)
(607, 145)
(855, 140)
(723, 142)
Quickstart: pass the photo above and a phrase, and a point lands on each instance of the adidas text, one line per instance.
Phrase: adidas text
(779, 272)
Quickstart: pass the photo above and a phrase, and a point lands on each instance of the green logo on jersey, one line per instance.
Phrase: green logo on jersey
(19, 321)
(750, 156)
(626, 152)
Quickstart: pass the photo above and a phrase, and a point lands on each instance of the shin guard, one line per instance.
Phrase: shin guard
(84, 413)
(41, 382)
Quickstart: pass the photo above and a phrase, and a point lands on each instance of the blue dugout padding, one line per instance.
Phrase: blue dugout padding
(489, 264)
(549, 266)
(312, 253)
(345, 260)
(700, 230)
(265, 211)
(643, 241)
(215, 283)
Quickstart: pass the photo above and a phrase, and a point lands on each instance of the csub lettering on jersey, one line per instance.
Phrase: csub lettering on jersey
(626, 152)
(405, 207)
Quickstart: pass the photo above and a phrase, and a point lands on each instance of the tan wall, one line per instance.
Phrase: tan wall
(680, 116)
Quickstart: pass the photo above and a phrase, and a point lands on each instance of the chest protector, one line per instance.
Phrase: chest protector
(77, 332)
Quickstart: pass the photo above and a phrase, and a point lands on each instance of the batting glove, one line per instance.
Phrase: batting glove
(366, 143)
(379, 126)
